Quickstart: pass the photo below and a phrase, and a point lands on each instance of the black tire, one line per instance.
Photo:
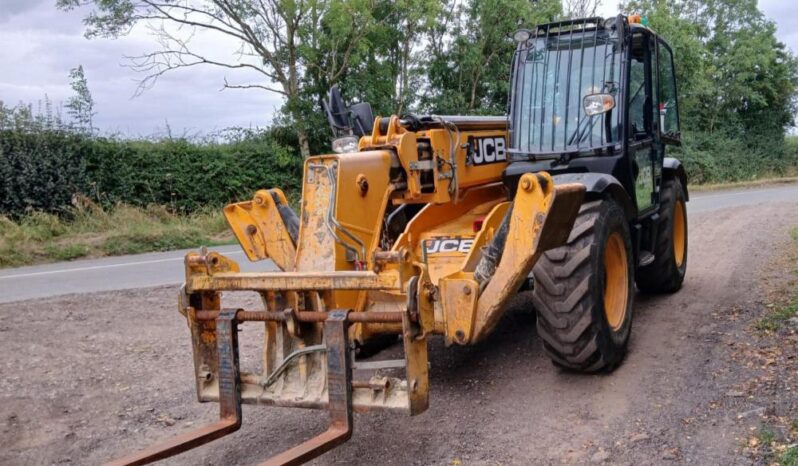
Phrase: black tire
(569, 293)
(666, 273)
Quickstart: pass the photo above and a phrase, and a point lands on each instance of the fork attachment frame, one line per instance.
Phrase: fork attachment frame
(339, 389)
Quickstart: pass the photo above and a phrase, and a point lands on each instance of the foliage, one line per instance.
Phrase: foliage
(737, 83)
(580, 8)
(790, 456)
(737, 86)
(40, 162)
(468, 70)
(276, 41)
(81, 105)
(780, 314)
(48, 167)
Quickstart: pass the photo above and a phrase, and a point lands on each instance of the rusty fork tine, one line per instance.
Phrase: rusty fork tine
(312, 448)
(179, 444)
(339, 391)
(229, 404)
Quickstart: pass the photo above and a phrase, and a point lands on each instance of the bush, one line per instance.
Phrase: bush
(40, 170)
(719, 158)
(47, 170)
(187, 176)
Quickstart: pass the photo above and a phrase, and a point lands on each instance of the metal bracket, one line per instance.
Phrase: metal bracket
(339, 392)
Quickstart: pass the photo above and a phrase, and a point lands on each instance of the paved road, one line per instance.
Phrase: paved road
(153, 269)
(109, 273)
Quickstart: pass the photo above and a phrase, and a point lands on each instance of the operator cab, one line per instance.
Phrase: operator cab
(594, 96)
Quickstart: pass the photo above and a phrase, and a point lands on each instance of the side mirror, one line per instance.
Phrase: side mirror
(337, 113)
(362, 118)
(345, 121)
(596, 104)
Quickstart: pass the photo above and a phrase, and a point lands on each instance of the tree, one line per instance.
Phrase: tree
(471, 52)
(580, 8)
(384, 70)
(81, 105)
(276, 41)
(736, 85)
(734, 76)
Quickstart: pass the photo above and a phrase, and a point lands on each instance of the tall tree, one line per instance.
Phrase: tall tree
(734, 76)
(81, 105)
(385, 70)
(471, 51)
(276, 41)
(580, 8)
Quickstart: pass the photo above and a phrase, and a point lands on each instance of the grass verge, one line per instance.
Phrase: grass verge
(94, 232)
(781, 313)
(773, 450)
(772, 356)
(767, 181)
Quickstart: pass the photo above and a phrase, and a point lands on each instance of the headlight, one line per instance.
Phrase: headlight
(345, 144)
(596, 104)
(521, 35)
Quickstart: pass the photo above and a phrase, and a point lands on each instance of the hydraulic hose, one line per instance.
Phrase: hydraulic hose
(289, 217)
(492, 253)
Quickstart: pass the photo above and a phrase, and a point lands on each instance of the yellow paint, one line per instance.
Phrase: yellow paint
(443, 141)
(616, 280)
(542, 218)
(679, 233)
(260, 229)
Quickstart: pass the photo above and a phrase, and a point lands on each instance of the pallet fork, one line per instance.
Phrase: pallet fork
(339, 389)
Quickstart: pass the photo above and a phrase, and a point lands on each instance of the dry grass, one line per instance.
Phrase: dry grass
(94, 232)
(766, 181)
(781, 313)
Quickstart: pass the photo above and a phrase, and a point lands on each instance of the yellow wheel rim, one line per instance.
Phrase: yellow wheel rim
(616, 280)
(679, 233)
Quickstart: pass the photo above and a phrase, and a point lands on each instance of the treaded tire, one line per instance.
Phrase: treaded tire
(665, 275)
(569, 293)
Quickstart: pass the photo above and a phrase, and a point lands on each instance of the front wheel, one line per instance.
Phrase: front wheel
(584, 291)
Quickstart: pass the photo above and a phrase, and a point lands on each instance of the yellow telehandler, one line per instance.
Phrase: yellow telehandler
(425, 226)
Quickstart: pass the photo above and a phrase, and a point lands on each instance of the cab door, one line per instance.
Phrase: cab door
(645, 151)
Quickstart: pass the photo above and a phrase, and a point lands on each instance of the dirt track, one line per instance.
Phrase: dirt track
(85, 377)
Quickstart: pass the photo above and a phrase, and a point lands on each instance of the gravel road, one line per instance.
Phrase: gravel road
(85, 377)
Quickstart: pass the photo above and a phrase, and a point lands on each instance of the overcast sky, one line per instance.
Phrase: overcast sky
(39, 44)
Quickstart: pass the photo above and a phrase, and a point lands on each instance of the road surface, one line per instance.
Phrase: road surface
(86, 377)
(165, 268)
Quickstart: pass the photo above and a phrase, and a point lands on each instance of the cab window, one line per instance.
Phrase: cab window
(639, 87)
(668, 104)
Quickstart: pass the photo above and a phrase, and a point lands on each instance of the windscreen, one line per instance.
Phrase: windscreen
(553, 75)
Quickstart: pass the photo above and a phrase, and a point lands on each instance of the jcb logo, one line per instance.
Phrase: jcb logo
(450, 245)
(489, 150)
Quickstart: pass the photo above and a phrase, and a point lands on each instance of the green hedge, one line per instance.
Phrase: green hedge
(719, 158)
(43, 170)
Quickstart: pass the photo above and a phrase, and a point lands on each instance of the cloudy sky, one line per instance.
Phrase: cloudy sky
(39, 44)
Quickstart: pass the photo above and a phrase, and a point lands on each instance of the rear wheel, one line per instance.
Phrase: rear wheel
(666, 273)
(583, 291)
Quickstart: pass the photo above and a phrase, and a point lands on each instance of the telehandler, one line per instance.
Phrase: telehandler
(419, 226)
